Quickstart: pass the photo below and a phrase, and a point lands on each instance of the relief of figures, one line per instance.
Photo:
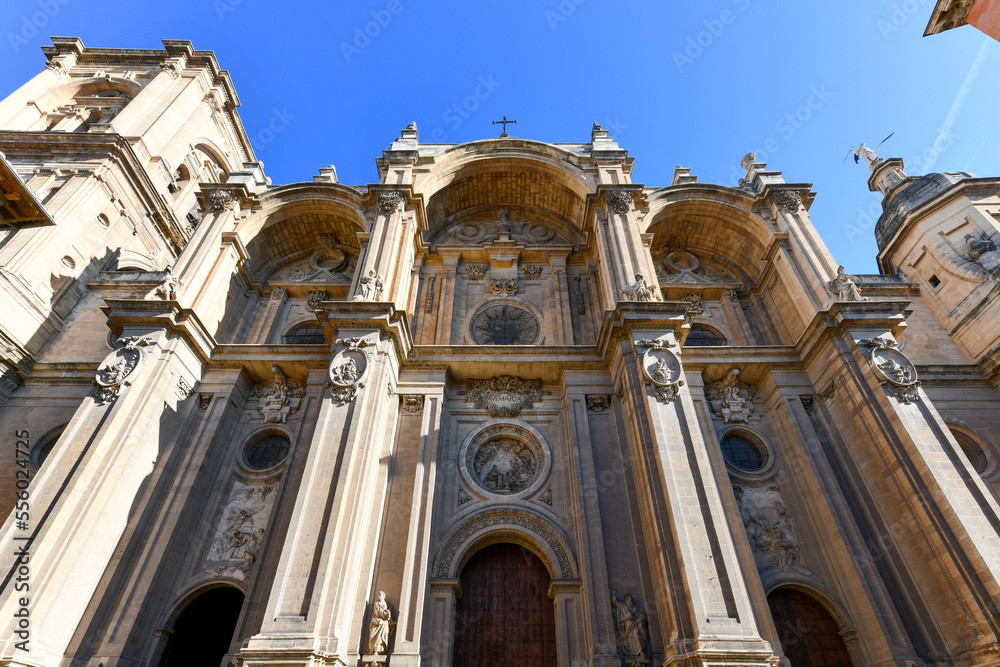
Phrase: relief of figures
(505, 465)
(768, 527)
(240, 533)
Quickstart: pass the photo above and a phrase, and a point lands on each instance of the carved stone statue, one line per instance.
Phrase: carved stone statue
(380, 626)
(167, 289)
(865, 153)
(370, 288)
(731, 398)
(279, 397)
(633, 629)
(638, 291)
(845, 286)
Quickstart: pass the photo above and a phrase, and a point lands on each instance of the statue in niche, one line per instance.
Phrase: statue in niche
(638, 291)
(633, 629)
(845, 286)
(380, 626)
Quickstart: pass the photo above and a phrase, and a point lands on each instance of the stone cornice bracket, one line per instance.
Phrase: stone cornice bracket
(119, 369)
(638, 315)
(621, 199)
(392, 324)
(893, 369)
(789, 197)
(217, 198)
(166, 316)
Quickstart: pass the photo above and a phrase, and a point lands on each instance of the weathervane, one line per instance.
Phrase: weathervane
(504, 123)
(865, 153)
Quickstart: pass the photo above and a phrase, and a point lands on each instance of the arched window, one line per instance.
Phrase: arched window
(703, 336)
(43, 447)
(203, 632)
(744, 450)
(304, 334)
(809, 636)
(977, 457)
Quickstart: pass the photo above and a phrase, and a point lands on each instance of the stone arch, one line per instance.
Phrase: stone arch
(713, 222)
(846, 635)
(536, 182)
(215, 154)
(296, 220)
(193, 591)
(171, 648)
(821, 595)
(505, 524)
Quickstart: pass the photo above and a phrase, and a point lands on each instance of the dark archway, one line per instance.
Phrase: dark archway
(809, 635)
(204, 630)
(505, 617)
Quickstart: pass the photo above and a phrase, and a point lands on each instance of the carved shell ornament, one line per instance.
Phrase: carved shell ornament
(893, 369)
(119, 368)
(349, 369)
(662, 369)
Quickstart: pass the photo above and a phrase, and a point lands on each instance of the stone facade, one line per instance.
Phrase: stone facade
(316, 393)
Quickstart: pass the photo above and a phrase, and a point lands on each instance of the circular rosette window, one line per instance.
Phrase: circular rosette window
(505, 460)
(892, 365)
(504, 324)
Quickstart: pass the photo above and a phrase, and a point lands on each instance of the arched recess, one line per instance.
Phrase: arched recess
(200, 627)
(296, 222)
(97, 99)
(505, 524)
(710, 222)
(540, 184)
(810, 627)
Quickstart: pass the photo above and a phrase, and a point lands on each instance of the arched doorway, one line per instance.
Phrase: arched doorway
(505, 617)
(204, 630)
(809, 636)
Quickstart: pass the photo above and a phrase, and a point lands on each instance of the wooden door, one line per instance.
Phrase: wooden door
(505, 617)
(808, 634)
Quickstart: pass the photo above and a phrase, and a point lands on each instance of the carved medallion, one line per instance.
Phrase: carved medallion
(348, 370)
(503, 324)
(504, 396)
(118, 368)
(662, 369)
(894, 370)
(504, 460)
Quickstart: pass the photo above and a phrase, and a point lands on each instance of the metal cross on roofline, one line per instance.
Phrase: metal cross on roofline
(504, 123)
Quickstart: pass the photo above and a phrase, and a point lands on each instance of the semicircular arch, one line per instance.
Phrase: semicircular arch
(713, 222)
(509, 525)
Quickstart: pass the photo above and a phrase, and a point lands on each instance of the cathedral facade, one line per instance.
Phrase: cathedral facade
(503, 406)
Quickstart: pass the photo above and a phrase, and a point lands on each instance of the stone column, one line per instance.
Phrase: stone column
(320, 592)
(439, 644)
(82, 499)
(696, 568)
(571, 644)
(619, 244)
(937, 519)
(383, 249)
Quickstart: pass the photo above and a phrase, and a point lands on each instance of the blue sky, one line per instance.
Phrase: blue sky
(695, 84)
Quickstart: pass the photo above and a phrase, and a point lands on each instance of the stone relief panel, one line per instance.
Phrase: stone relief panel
(239, 535)
(769, 528)
(505, 459)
